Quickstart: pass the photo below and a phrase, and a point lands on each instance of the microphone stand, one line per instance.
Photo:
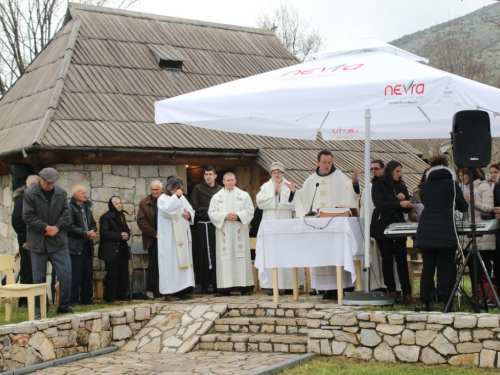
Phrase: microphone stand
(311, 212)
(477, 259)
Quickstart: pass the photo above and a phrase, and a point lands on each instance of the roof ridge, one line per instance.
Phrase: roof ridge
(58, 87)
(150, 16)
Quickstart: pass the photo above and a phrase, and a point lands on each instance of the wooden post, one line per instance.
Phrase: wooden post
(276, 291)
(295, 284)
(308, 279)
(340, 284)
(243, 178)
(181, 172)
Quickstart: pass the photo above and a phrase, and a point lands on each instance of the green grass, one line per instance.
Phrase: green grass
(435, 306)
(350, 366)
(21, 315)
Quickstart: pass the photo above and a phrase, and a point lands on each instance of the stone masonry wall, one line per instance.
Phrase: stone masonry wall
(430, 338)
(129, 182)
(8, 239)
(29, 343)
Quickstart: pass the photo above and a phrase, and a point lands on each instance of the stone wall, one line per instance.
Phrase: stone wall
(8, 239)
(129, 182)
(34, 342)
(430, 338)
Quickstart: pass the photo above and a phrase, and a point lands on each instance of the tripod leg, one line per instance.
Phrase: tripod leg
(475, 283)
(483, 267)
(457, 283)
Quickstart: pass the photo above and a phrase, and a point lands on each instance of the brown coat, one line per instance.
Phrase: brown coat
(145, 222)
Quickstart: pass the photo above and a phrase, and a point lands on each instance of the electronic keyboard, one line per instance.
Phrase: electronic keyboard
(463, 227)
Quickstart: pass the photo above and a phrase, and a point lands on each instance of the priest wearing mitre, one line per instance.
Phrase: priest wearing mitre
(231, 211)
(327, 187)
(175, 259)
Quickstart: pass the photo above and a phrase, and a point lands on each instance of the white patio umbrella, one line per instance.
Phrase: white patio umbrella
(372, 91)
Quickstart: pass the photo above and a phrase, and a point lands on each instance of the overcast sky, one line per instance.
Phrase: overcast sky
(339, 21)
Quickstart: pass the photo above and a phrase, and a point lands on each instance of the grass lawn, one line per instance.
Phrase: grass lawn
(350, 366)
(462, 307)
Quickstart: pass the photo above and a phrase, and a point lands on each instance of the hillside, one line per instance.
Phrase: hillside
(468, 46)
(476, 28)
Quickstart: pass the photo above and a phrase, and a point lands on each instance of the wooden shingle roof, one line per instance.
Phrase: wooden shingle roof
(95, 84)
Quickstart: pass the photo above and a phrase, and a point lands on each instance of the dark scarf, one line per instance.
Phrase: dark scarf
(120, 215)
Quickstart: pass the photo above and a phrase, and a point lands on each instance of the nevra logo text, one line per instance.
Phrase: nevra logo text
(409, 89)
(323, 70)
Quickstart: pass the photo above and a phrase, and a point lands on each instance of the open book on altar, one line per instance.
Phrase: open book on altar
(337, 212)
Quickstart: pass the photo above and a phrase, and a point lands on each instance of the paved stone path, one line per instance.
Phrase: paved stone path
(162, 346)
(196, 362)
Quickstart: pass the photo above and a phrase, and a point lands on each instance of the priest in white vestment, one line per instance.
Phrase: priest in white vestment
(231, 211)
(327, 187)
(175, 259)
(277, 202)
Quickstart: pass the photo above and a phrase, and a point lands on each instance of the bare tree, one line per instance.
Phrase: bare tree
(293, 31)
(455, 51)
(452, 48)
(26, 26)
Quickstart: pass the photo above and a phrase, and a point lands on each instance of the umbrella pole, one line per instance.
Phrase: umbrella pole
(368, 201)
(367, 297)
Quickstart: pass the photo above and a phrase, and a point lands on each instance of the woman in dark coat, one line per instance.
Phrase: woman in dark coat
(113, 249)
(391, 200)
(436, 236)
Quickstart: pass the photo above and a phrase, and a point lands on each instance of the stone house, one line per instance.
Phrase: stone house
(85, 107)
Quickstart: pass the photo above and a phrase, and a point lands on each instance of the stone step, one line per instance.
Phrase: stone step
(261, 325)
(269, 309)
(254, 342)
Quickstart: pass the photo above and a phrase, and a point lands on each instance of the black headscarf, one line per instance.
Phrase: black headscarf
(112, 207)
(120, 215)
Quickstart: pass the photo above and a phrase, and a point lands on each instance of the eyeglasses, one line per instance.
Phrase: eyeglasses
(374, 169)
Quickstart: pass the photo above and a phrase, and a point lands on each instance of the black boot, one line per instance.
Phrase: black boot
(331, 294)
(425, 306)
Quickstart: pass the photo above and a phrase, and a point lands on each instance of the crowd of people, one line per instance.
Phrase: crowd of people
(217, 256)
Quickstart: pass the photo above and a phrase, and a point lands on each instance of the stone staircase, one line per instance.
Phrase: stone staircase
(264, 327)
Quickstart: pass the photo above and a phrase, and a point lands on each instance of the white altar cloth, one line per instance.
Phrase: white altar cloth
(301, 243)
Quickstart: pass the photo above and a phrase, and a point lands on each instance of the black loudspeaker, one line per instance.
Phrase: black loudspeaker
(471, 137)
(19, 174)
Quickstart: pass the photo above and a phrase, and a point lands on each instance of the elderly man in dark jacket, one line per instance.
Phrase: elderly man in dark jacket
(81, 233)
(147, 221)
(46, 214)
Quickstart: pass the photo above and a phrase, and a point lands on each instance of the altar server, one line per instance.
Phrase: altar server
(175, 260)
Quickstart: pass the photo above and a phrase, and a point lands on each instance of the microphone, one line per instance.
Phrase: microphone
(311, 212)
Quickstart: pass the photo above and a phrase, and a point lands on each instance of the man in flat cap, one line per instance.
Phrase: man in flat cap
(46, 214)
(277, 202)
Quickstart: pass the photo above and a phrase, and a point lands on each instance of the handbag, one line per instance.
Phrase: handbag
(485, 292)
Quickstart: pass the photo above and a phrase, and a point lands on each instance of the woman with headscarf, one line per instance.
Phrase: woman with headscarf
(436, 237)
(391, 200)
(113, 249)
